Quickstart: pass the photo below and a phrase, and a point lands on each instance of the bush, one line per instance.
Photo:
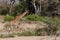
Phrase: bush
(18, 9)
(6, 36)
(50, 30)
(26, 33)
(8, 18)
(38, 32)
(4, 10)
(33, 17)
(44, 19)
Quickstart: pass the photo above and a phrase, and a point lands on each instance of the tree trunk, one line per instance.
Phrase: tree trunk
(35, 7)
(40, 9)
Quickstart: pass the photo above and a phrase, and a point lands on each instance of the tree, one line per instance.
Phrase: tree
(30, 6)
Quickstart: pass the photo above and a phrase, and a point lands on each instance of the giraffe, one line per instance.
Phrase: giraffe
(15, 21)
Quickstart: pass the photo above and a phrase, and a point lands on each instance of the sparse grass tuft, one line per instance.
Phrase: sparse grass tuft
(8, 18)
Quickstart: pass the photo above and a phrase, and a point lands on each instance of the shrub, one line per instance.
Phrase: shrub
(38, 32)
(33, 17)
(44, 19)
(11, 35)
(6, 36)
(52, 28)
(4, 10)
(8, 18)
(26, 33)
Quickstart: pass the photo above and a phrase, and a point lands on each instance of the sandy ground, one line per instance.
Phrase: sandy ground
(32, 38)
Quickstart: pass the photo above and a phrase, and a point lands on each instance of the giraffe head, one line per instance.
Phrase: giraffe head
(27, 11)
